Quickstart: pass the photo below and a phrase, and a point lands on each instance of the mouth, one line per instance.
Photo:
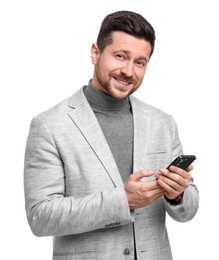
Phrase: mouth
(122, 82)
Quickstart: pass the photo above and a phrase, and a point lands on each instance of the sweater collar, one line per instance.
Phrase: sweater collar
(104, 101)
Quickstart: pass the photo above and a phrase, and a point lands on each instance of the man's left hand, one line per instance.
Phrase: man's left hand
(174, 181)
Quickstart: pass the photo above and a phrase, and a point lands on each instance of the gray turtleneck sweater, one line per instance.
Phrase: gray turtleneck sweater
(116, 121)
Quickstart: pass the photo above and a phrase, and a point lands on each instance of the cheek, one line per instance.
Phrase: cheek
(108, 63)
(138, 81)
(103, 65)
(140, 76)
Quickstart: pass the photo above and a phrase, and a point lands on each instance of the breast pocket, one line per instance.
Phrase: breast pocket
(157, 156)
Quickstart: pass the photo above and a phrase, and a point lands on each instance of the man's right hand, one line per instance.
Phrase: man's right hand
(141, 194)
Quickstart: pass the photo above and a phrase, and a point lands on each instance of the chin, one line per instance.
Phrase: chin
(120, 94)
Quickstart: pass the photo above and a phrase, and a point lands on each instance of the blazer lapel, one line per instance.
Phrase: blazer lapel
(86, 121)
(142, 121)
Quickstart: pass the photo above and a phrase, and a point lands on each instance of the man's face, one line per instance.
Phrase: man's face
(120, 68)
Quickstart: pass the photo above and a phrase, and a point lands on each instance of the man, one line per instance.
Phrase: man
(92, 161)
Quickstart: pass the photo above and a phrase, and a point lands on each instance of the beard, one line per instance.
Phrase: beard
(110, 84)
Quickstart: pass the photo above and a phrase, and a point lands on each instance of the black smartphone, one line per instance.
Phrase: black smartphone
(183, 161)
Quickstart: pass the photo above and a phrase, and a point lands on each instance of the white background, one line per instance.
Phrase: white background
(45, 57)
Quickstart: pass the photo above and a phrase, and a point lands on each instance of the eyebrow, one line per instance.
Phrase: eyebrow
(127, 52)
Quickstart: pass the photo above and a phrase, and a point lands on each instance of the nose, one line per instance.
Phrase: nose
(128, 69)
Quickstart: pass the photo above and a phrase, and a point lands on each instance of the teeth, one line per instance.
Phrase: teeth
(123, 82)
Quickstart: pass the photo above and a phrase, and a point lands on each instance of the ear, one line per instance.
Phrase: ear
(95, 53)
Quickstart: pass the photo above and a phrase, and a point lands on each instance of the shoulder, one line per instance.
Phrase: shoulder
(60, 111)
(143, 107)
(55, 112)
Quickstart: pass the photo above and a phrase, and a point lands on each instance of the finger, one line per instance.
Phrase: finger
(173, 189)
(153, 195)
(176, 170)
(145, 199)
(141, 174)
(173, 180)
(148, 186)
(177, 183)
(190, 168)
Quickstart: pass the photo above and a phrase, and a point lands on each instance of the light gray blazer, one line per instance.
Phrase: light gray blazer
(74, 192)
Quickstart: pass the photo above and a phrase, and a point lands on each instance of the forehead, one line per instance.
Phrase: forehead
(124, 42)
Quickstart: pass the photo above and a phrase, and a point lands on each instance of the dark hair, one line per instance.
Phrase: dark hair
(126, 21)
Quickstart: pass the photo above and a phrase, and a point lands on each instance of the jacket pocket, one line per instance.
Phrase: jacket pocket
(156, 148)
(157, 156)
(83, 255)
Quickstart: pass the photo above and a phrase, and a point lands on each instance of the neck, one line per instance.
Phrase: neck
(104, 101)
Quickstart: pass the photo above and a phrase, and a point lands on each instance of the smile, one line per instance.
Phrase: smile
(126, 83)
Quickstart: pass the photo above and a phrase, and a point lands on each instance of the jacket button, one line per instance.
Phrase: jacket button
(126, 251)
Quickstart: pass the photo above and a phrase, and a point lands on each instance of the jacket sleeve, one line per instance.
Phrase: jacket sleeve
(49, 212)
(188, 207)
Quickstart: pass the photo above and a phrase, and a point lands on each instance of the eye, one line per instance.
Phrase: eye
(141, 63)
(120, 56)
